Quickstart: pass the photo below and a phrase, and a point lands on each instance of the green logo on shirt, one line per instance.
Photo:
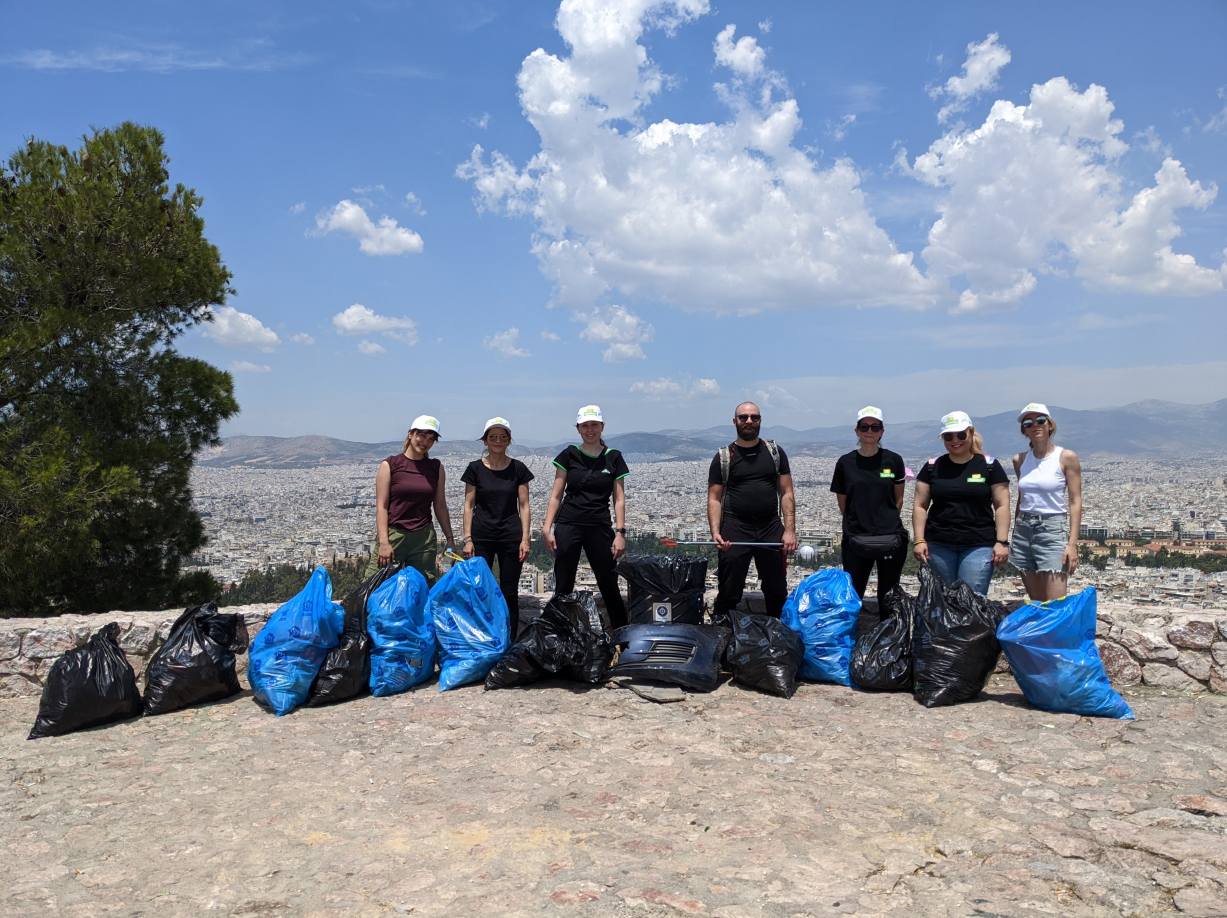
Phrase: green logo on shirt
(886, 473)
(977, 479)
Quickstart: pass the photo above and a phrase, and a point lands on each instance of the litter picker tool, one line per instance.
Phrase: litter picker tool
(669, 543)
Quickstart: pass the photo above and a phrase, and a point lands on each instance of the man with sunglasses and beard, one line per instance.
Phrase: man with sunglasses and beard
(868, 483)
(962, 504)
(749, 488)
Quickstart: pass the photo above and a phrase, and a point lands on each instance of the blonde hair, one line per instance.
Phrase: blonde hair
(977, 441)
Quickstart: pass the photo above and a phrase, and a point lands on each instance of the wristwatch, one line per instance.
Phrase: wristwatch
(622, 531)
(1005, 542)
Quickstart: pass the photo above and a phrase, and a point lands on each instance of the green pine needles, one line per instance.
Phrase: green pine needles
(102, 267)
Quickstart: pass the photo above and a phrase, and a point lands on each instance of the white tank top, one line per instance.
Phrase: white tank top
(1041, 484)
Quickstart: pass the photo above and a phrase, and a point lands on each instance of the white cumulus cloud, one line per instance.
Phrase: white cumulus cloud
(504, 343)
(303, 338)
(666, 389)
(299, 207)
(362, 320)
(777, 397)
(383, 238)
(371, 347)
(620, 329)
(744, 57)
(551, 337)
(239, 330)
(721, 217)
(984, 61)
(246, 366)
(1038, 189)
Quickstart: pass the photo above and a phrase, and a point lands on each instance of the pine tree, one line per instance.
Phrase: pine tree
(102, 267)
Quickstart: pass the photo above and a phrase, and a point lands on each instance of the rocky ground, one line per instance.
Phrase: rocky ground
(573, 801)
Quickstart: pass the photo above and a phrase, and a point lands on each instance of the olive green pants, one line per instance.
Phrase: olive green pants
(417, 549)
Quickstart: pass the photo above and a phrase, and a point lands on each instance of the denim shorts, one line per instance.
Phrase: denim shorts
(1039, 543)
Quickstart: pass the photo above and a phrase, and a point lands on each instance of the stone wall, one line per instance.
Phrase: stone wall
(1160, 646)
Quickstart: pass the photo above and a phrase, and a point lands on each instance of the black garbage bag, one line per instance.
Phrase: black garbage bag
(88, 687)
(196, 664)
(664, 589)
(346, 672)
(765, 653)
(569, 639)
(954, 642)
(882, 657)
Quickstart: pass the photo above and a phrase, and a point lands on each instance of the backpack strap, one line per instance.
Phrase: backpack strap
(725, 454)
(775, 454)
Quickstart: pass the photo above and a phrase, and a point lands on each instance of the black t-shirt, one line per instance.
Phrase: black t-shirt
(590, 484)
(752, 492)
(496, 511)
(868, 484)
(962, 509)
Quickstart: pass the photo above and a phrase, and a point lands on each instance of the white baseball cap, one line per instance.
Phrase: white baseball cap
(870, 412)
(1034, 407)
(495, 422)
(955, 421)
(589, 413)
(426, 422)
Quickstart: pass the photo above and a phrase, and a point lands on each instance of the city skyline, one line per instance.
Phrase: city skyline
(482, 207)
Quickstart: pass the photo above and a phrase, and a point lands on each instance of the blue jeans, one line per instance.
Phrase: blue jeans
(974, 566)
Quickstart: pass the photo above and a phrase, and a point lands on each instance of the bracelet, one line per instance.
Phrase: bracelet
(465, 540)
(622, 531)
(920, 542)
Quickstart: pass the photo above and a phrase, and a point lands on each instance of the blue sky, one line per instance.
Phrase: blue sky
(825, 206)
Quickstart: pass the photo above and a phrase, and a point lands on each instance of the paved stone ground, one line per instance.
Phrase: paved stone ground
(572, 801)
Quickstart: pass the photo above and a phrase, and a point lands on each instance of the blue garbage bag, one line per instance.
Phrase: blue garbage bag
(402, 633)
(471, 623)
(287, 653)
(823, 609)
(1051, 649)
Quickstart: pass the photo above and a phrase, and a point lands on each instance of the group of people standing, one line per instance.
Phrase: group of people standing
(960, 514)
(961, 507)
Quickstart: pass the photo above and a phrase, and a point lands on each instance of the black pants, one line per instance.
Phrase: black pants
(735, 565)
(889, 569)
(597, 543)
(509, 567)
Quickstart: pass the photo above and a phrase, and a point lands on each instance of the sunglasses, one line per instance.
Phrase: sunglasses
(962, 435)
(869, 428)
(498, 438)
(749, 417)
(1031, 422)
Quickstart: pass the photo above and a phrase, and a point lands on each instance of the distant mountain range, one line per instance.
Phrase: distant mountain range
(1143, 430)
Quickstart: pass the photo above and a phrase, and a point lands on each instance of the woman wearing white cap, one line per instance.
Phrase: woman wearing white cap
(408, 486)
(587, 477)
(496, 513)
(962, 504)
(1045, 546)
(868, 483)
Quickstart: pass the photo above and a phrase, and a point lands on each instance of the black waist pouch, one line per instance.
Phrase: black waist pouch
(877, 546)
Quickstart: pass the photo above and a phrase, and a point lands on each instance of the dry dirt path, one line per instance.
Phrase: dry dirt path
(593, 802)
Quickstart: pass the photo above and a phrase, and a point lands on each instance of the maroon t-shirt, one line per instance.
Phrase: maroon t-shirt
(411, 493)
